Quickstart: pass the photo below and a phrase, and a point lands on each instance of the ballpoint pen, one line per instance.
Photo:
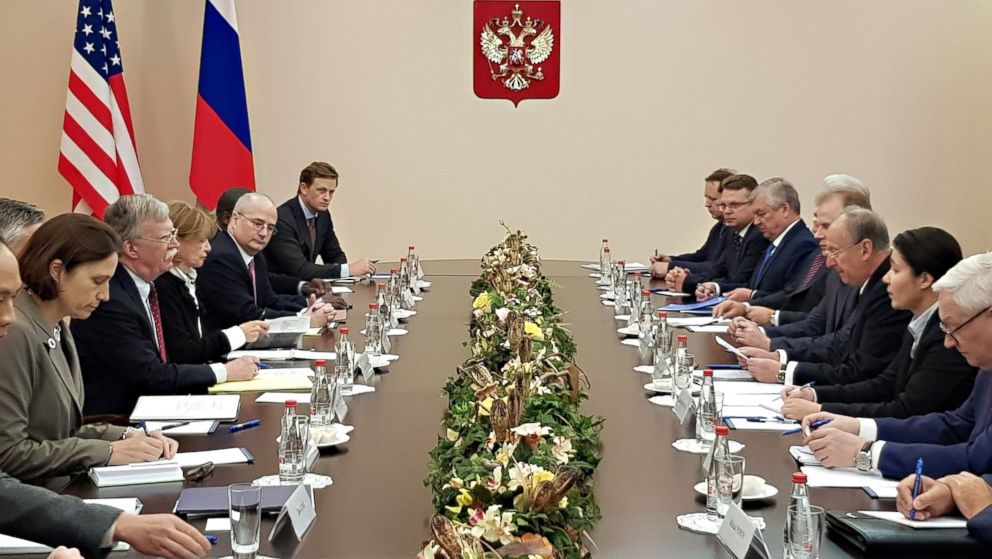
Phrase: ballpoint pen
(173, 425)
(809, 384)
(816, 425)
(916, 486)
(245, 425)
(264, 366)
(144, 427)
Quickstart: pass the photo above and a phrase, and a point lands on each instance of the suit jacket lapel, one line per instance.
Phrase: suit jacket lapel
(44, 337)
(123, 279)
(301, 224)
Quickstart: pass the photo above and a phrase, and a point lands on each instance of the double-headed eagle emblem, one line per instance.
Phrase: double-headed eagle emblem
(530, 43)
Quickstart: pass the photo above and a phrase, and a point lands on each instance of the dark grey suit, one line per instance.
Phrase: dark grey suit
(41, 516)
(823, 325)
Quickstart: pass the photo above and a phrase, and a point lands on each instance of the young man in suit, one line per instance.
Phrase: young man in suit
(306, 231)
(45, 517)
(949, 442)
(121, 345)
(858, 249)
(744, 244)
(702, 260)
(233, 284)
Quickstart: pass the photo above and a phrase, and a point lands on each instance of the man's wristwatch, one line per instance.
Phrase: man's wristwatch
(863, 458)
(781, 372)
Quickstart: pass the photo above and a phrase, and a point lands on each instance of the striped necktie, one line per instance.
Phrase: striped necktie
(254, 285)
(157, 320)
(815, 266)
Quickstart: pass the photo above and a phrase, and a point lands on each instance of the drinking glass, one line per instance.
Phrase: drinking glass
(729, 482)
(803, 533)
(246, 514)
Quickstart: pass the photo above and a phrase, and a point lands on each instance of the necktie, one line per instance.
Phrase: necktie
(815, 266)
(157, 319)
(312, 226)
(251, 274)
(764, 265)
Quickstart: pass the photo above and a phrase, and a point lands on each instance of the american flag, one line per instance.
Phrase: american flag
(97, 154)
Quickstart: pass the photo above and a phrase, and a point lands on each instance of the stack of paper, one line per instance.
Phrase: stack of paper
(134, 474)
(725, 374)
(171, 428)
(282, 398)
(758, 424)
(222, 456)
(16, 546)
(818, 476)
(281, 354)
(266, 380)
(898, 518)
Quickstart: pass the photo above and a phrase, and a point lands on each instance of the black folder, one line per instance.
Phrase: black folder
(874, 536)
(213, 501)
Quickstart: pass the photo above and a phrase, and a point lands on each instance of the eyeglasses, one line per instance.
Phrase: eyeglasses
(833, 254)
(200, 472)
(166, 239)
(732, 206)
(950, 333)
(258, 224)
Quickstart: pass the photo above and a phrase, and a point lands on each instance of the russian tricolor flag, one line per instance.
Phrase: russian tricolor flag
(222, 156)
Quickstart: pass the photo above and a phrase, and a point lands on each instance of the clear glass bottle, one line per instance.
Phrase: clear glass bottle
(292, 448)
(385, 309)
(800, 522)
(320, 396)
(720, 448)
(411, 263)
(373, 331)
(604, 257)
(706, 409)
(344, 365)
(646, 318)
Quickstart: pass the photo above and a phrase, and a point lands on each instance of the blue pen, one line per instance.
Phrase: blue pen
(816, 425)
(264, 366)
(211, 539)
(144, 427)
(245, 425)
(916, 485)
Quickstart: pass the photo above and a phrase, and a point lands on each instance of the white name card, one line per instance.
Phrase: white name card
(682, 405)
(363, 364)
(736, 531)
(299, 510)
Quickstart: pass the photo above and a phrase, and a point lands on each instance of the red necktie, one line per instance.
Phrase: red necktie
(251, 272)
(157, 319)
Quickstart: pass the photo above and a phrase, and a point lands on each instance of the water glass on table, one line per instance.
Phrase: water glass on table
(683, 374)
(803, 531)
(246, 515)
(729, 482)
(708, 416)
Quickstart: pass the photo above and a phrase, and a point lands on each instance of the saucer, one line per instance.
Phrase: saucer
(694, 446)
(663, 387)
(767, 492)
(630, 331)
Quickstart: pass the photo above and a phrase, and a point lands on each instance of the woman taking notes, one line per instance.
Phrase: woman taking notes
(65, 268)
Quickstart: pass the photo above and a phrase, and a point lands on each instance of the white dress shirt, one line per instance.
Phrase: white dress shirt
(345, 271)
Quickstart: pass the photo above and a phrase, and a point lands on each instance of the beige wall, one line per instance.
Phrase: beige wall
(654, 95)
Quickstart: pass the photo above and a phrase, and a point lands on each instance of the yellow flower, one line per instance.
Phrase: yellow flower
(482, 302)
(456, 483)
(451, 435)
(534, 331)
(563, 503)
(464, 498)
(542, 476)
(485, 406)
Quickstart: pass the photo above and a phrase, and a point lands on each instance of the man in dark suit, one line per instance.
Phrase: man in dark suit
(305, 231)
(702, 260)
(744, 244)
(858, 249)
(233, 284)
(121, 345)
(964, 493)
(782, 268)
(41, 516)
(787, 306)
(948, 442)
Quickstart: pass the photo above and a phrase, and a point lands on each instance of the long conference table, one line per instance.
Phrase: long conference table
(378, 506)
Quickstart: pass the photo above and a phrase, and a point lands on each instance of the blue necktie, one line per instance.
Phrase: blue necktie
(764, 264)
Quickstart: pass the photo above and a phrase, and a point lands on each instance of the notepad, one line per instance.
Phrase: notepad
(695, 306)
(818, 476)
(16, 546)
(282, 398)
(712, 329)
(666, 293)
(729, 347)
(136, 474)
(803, 455)
(744, 425)
(222, 456)
(214, 500)
(191, 427)
(725, 374)
(898, 518)
(191, 407)
(261, 383)
(685, 321)
(340, 290)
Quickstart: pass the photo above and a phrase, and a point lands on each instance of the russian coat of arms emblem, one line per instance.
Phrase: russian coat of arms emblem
(517, 46)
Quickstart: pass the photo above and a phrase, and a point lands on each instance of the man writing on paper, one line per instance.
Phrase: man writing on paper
(858, 249)
(233, 284)
(121, 345)
(45, 517)
(785, 306)
(306, 231)
(743, 249)
(702, 260)
(948, 442)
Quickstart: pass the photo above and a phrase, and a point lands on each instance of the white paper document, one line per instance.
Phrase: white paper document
(725, 374)
(803, 455)
(729, 347)
(340, 289)
(745, 425)
(682, 322)
(223, 407)
(218, 524)
(190, 427)
(818, 476)
(222, 456)
(714, 329)
(736, 387)
(276, 372)
(666, 293)
(281, 354)
(289, 324)
(898, 518)
(282, 398)
(136, 474)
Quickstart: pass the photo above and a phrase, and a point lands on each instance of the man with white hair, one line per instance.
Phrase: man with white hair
(948, 442)
(233, 284)
(121, 345)
(18, 221)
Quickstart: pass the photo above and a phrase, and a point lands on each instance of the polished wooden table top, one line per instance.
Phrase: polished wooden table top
(378, 506)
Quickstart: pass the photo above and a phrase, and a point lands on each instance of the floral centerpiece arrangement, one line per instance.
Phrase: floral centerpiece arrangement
(512, 474)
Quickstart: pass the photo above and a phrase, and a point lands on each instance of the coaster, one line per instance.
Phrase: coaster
(317, 481)
(702, 523)
(694, 446)
(667, 400)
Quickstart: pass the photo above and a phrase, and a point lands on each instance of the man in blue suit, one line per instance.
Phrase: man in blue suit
(948, 442)
(783, 265)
